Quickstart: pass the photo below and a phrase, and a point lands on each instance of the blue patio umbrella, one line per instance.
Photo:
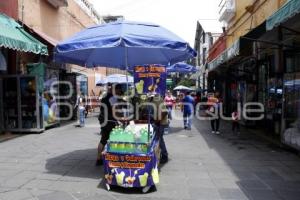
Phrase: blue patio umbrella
(123, 44)
(181, 67)
(115, 78)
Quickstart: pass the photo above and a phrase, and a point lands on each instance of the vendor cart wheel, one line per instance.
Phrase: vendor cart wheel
(146, 189)
(107, 186)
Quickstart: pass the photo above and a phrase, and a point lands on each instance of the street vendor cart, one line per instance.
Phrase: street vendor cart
(124, 45)
(131, 157)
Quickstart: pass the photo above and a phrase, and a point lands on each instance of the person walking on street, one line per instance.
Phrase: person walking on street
(169, 101)
(214, 108)
(235, 122)
(81, 109)
(197, 99)
(188, 108)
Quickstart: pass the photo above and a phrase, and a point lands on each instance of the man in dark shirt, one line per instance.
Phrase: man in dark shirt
(106, 118)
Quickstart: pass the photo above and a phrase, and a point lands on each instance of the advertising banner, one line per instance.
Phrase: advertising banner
(132, 170)
(150, 79)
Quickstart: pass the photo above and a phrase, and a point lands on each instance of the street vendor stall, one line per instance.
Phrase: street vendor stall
(129, 159)
(132, 153)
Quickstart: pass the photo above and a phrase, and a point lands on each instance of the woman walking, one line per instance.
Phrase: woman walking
(169, 101)
(215, 108)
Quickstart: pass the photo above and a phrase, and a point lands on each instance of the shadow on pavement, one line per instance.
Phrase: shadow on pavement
(257, 165)
(79, 163)
(174, 130)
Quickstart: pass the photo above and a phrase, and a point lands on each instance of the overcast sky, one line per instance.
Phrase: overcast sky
(179, 16)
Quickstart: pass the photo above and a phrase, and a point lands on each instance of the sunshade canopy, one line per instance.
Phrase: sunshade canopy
(115, 78)
(13, 36)
(181, 67)
(181, 87)
(123, 44)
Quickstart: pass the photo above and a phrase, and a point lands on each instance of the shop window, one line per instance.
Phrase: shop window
(271, 66)
(262, 83)
(3, 60)
(292, 63)
(292, 109)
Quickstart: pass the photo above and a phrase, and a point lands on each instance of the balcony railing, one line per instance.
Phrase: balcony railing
(227, 10)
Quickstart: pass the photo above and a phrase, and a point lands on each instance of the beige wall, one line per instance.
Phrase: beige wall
(59, 23)
(244, 21)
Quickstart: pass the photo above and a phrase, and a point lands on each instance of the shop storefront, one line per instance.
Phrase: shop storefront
(231, 74)
(20, 100)
(291, 96)
(279, 69)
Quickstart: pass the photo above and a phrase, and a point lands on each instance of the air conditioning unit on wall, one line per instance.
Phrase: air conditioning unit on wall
(58, 3)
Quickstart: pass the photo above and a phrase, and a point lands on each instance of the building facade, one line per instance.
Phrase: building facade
(261, 63)
(67, 18)
(44, 23)
(202, 44)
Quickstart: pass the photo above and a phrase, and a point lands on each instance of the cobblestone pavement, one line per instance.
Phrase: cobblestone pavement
(59, 165)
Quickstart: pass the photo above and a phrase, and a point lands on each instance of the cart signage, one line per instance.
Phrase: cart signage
(132, 170)
(150, 79)
(127, 161)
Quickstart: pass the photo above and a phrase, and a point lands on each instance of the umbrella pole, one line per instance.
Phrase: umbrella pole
(127, 86)
(126, 63)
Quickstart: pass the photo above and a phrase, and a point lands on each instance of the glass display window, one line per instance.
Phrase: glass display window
(291, 134)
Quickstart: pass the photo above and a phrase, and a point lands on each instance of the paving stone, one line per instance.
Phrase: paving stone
(252, 184)
(200, 183)
(204, 194)
(268, 176)
(229, 184)
(15, 182)
(232, 194)
(201, 166)
(262, 194)
(56, 196)
(198, 174)
(223, 175)
(16, 195)
(283, 185)
(48, 176)
(37, 192)
(289, 195)
(26, 175)
(38, 184)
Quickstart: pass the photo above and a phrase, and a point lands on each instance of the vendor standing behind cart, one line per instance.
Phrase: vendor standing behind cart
(161, 122)
(106, 118)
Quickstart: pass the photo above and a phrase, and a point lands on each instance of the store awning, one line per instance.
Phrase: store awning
(228, 54)
(13, 36)
(288, 10)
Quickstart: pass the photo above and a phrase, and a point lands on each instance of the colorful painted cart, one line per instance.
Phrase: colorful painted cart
(128, 164)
